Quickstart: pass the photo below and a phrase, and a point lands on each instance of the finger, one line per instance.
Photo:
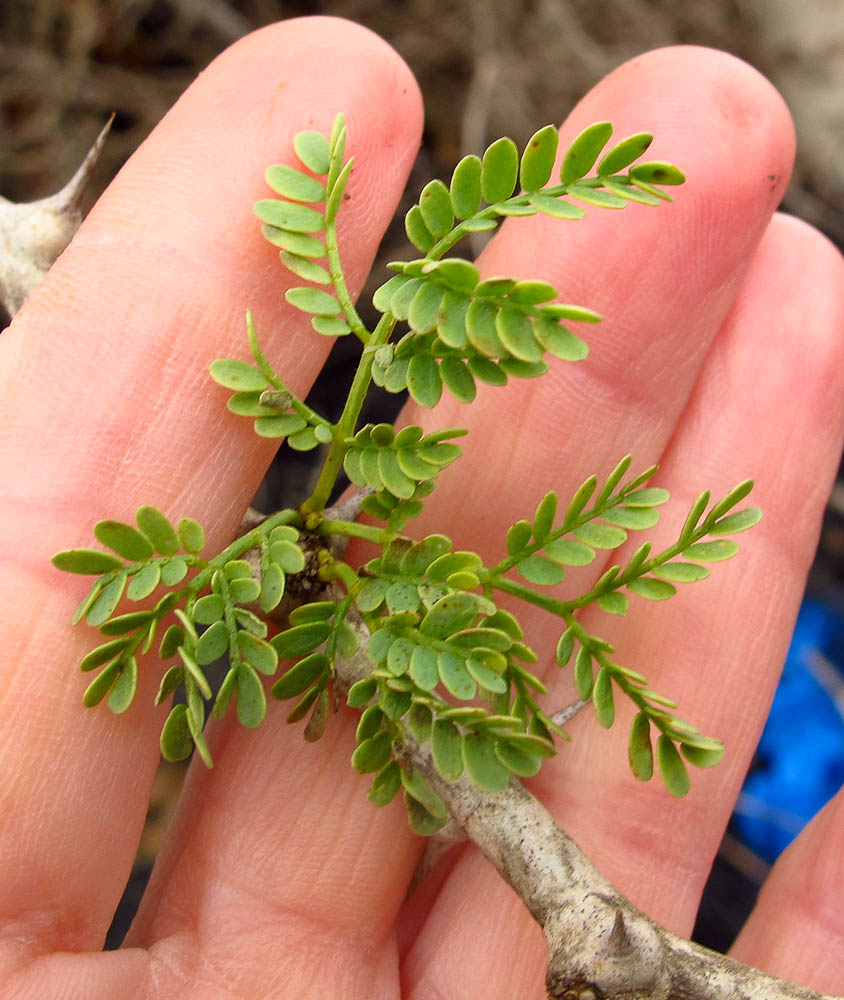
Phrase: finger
(796, 929)
(662, 278)
(599, 838)
(768, 402)
(718, 656)
(106, 405)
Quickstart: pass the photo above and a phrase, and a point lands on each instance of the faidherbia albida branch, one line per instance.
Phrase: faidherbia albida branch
(600, 946)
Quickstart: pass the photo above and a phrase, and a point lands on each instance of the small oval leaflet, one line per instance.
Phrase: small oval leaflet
(639, 748)
(482, 764)
(158, 530)
(499, 170)
(465, 187)
(538, 158)
(584, 151)
(123, 539)
(672, 770)
(292, 183)
(251, 700)
(87, 562)
(237, 375)
(624, 153)
(313, 300)
(313, 150)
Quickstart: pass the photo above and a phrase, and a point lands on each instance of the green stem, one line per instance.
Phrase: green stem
(443, 245)
(267, 370)
(352, 529)
(341, 289)
(556, 607)
(344, 429)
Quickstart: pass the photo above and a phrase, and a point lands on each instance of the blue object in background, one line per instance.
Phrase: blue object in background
(801, 753)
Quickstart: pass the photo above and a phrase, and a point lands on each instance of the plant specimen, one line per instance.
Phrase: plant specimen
(416, 638)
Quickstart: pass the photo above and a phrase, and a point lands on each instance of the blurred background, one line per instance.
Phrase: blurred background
(486, 68)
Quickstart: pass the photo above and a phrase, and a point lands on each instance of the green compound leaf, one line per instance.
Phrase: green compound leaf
(237, 375)
(624, 153)
(158, 530)
(482, 763)
(292, 183)
(208, 609)
(313, 150)
(672, 770)
(584, 151)
(465, 187)
(499, 170)
(639, 748)
(386, 785)
(538, 158)
(123, 539)
(87, 562)
(313, 300)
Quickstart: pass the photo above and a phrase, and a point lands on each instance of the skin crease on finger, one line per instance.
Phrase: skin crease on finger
(153, 288)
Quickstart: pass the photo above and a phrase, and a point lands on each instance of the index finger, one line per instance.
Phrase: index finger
(105, 405)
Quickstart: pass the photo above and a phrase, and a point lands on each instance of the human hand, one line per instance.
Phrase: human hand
(720, 356)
